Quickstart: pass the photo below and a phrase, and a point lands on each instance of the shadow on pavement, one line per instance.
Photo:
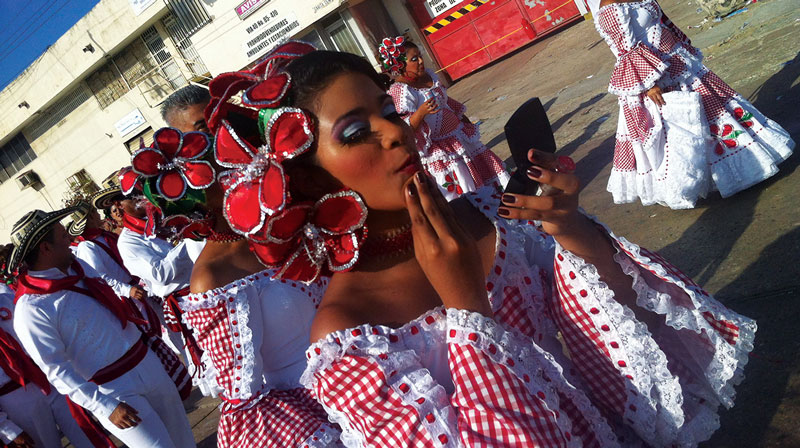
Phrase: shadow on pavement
(776, 353)
(761, 290)
(563, 119)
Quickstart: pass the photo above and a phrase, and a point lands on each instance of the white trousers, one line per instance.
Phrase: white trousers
(41, 416)
(148, 389)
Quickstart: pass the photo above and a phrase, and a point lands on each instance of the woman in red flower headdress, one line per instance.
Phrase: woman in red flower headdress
(682, 131)
(440, 324)
(252, 329)
(449, 144)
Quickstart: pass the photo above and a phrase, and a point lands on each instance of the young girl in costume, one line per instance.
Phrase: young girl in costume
(253, 329)
(449, 144)
(682, 131)
(439, 324)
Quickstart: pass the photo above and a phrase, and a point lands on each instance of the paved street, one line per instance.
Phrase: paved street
(743, 249)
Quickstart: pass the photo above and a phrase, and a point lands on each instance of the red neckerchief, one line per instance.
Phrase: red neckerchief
(95, 288)
(134, 224)
(18, 365)
(110, 246)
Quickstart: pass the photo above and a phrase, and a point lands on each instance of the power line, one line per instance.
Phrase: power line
(9, 52)
(14, 33)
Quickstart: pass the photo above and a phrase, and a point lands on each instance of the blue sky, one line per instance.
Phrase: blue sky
(28, 27)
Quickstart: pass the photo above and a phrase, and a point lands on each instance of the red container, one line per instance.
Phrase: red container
(490, 31)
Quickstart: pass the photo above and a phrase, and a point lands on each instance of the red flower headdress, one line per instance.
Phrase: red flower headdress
(393, 54)
(129, 181)
(306, 240)
(302, 240)
(176, 159)
(256, 186)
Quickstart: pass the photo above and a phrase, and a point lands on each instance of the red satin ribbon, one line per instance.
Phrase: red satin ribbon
(18, 365)
(95, 288)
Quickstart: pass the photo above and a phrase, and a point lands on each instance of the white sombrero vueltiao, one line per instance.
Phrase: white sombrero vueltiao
(28, 232)
(79, 218)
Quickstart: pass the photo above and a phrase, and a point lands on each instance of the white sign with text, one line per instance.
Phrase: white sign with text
(438, 7)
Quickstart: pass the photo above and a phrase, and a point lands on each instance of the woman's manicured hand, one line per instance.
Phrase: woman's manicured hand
(557, 206)
(448, 255)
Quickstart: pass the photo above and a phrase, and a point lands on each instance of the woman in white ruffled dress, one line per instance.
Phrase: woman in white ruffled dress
(449, 144)
(682, 131)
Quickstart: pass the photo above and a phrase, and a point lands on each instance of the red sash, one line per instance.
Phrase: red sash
(95, 288)
(172, 318)
(19, 366)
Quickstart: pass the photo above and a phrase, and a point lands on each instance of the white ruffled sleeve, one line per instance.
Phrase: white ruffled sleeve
(376, 388)
(667, 381)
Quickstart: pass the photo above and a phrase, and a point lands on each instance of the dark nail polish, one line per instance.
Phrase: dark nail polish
(503, 212)
(420, 177)
(534, 172)
(566, 164)
(509, 199)
(412, 190)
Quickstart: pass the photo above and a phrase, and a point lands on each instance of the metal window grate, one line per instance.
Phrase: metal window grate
(184, 44)
(191, 14)
(107, 84)
(57, 112)
(14, 155)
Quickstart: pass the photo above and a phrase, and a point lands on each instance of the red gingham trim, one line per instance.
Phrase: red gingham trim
(726, 329)
(624, 158)
(715, 95)
(513, 312)
(495, 407)
(212, 329)
(356, 387)
(172, 365)
(284, 418)
(588, 351)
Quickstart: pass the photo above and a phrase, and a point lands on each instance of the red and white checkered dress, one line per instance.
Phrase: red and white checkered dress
(453, 378)
(707, 137)
(255, 331)
(450, 149)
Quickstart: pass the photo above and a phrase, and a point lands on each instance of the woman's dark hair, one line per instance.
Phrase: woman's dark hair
(314, 71)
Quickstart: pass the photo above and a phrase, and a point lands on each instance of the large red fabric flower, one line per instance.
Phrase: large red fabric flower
(306, 240)
(264, 85)
(128, 181)
(255, 187)
(176, 159)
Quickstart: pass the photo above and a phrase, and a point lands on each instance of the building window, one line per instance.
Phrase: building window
(107, 84)
(14, 155)
(333, 34)
(342, 36)
(191, 14)
(57, 112)
(134, 144)
(81, 185)
(184, 44)
(144, 59)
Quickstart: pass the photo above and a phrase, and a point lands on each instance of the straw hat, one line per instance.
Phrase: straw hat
(28, 232)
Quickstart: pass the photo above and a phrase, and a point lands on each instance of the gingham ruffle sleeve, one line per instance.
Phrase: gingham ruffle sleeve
(404, 100)
(638, 66)
(666, 382)
(372, 383)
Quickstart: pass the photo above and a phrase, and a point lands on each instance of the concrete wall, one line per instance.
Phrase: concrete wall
(109, 26)
(87, 138)
(222, 43)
